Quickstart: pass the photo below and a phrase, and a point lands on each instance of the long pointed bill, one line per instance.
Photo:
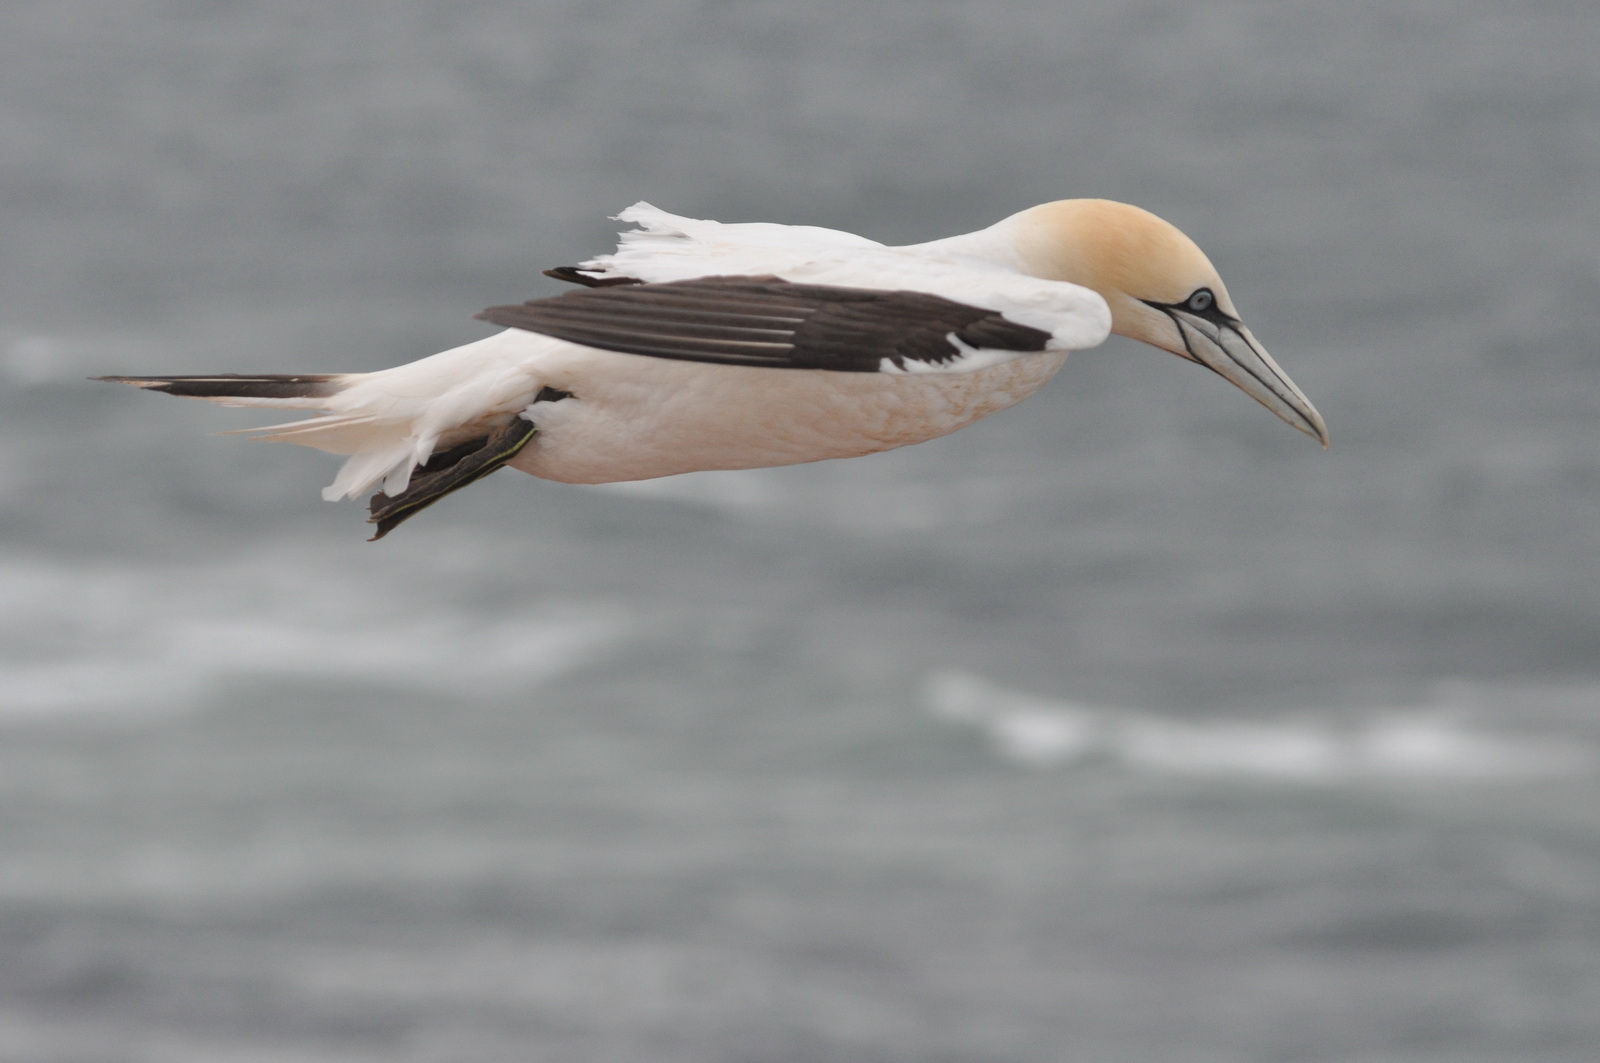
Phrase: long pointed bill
(1233, 353)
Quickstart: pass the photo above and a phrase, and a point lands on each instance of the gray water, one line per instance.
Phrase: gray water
(1124, 726)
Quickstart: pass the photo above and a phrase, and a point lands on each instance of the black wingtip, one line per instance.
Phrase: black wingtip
(504, 316)
(145, 382)
(235, 385)
(572, 275)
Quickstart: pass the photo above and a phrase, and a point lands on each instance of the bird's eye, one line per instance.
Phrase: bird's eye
(1201, 301)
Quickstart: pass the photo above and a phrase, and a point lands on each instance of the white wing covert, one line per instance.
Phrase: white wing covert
(669, 249)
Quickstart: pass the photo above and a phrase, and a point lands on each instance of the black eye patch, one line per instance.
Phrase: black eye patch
(1202, 303)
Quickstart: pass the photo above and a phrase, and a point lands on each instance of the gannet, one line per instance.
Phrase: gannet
(702, 345)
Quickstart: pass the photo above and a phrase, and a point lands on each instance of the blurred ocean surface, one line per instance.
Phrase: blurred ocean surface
(1124, 726)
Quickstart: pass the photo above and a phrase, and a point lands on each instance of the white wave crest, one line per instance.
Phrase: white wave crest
(1394, 743)
(161, 640)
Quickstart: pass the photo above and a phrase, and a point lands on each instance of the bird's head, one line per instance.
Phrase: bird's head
(1162, 290)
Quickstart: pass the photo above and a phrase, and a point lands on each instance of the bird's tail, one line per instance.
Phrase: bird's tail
(379, 448)
(444, 420)
(302, 392)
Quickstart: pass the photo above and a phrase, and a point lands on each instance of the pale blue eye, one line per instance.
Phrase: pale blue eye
(1201, 301)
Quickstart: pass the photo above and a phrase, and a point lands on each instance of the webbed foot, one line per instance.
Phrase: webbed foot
(450, 471)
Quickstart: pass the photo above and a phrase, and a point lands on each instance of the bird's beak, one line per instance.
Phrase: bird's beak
(1227, 348)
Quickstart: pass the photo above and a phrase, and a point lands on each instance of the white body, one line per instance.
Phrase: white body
(634, 417)
(765, 304)
(639, 417)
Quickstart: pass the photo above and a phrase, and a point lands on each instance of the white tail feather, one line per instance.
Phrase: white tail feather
(390, 461)
(388, 422)
(335, 433)
(379, 450)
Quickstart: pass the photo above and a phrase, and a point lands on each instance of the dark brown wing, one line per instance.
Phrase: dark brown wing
(572, 275)
(766, 321)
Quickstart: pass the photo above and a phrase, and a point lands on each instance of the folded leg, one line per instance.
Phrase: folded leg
(450, 471)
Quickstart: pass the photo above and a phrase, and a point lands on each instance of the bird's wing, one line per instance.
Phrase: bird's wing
(575, 275)
(767, 321)
(669, 247)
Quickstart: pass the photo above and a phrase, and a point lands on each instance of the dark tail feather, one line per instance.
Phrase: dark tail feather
(234, 386)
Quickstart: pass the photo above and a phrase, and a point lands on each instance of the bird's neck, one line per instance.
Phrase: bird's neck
(1039, 241)
(995, 245)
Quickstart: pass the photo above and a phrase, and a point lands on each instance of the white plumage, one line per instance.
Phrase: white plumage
(975, 271)
(702, 345)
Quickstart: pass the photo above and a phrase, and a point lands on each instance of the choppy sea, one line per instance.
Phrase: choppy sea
(1125, 726)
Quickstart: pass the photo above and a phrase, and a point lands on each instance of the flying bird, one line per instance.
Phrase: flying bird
(701, 345)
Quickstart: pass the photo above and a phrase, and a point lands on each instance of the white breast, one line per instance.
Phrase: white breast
(635, 418)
